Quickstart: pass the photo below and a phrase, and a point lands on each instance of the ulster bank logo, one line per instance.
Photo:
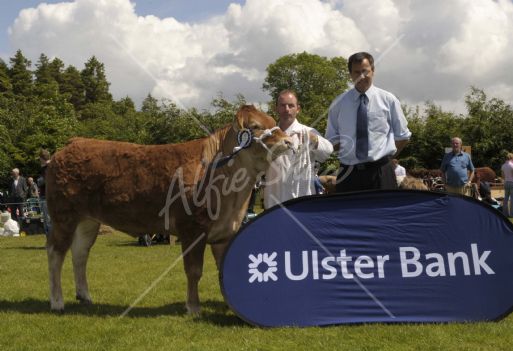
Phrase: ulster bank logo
(262, 267)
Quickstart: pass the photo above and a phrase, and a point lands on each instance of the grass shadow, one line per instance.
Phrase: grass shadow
(213, 312)
(25, 248)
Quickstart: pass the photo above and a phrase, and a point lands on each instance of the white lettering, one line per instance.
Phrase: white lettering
(410, 261)
(315, 265)
(343, 259)
(326, 266)
(363, 262)
(435, 269)
(479, 261)
(452, 256)
(288, 270)
(381, 264)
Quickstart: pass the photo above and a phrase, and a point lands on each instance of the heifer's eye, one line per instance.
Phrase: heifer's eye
(254, 127)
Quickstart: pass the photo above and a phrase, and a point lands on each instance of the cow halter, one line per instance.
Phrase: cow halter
(245, 138)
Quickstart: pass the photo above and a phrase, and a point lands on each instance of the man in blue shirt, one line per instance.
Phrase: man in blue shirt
(456, 166)
(367, 126)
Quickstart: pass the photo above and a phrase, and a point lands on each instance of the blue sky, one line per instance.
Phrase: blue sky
(191, 51)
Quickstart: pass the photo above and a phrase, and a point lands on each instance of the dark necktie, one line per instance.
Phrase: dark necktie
(362, 134)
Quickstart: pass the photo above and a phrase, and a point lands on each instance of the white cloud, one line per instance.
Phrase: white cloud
(426, 50)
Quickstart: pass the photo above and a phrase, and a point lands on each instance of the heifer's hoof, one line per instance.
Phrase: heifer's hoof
(57, 307)
(193, 310)
(84, 300)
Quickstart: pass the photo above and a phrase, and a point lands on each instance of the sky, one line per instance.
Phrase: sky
(189, 51)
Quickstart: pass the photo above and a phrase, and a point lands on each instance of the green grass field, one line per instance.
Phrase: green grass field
(119, 271)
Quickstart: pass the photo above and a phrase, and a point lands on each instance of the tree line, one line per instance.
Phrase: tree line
(44, 105)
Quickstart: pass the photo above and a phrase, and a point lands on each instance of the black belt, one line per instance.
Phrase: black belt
(367, 165)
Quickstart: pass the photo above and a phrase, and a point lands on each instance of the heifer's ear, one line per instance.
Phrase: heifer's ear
(238, 122)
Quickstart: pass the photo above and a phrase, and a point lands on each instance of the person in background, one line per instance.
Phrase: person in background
(457, 169)
(44, 159)
(507, 175)
(33, 191)
(293, 174)
(3, 200)
(400, 171)
(18, 190)
(367, 126)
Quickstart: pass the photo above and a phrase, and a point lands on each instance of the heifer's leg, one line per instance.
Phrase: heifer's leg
(193, 249)
(218, 251)
(57, 245)
(83, 240)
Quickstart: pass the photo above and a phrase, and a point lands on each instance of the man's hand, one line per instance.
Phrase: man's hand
(314, 139)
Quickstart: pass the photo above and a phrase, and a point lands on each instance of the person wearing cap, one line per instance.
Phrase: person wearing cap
(293, 174)
(367, 126)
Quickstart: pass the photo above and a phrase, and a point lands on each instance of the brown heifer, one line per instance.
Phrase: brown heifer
(155, 189)
(413, 183)
(485, 174)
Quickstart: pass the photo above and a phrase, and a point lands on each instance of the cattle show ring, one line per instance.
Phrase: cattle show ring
(356, 258)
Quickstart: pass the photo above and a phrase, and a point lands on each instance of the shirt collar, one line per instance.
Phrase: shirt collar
(368, 93)
(294, 127)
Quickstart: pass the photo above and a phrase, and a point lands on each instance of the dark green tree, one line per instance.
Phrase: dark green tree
(43, 73)
(162, 121)
(95, 82)
(57, 69)
(488, 129)
(223, 111)
(150, 105)
(20, 74)
(317, 81)
(5, 82)
(73, 87)
(123, 106)
(45, 85)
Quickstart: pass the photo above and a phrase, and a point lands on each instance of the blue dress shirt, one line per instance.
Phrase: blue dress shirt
(386, 124)
(455, 167)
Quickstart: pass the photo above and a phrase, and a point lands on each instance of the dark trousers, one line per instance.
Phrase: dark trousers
(16, 205)
(367, 176)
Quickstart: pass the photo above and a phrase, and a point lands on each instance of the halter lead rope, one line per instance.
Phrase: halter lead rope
(244, 142)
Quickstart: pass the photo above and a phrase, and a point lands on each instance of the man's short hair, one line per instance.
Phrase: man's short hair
(287, 91)
(358, 58)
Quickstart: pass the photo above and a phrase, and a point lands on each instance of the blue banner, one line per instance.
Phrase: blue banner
(380, 256)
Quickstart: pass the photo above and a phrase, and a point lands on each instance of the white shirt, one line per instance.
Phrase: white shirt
(292, 174)
(507, 171)
(400, 171)
(386, 124)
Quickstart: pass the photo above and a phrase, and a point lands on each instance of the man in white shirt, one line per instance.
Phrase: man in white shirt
(292, 174)
(367, 125)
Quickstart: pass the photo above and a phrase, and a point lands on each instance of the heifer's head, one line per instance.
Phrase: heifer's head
(258, 132)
